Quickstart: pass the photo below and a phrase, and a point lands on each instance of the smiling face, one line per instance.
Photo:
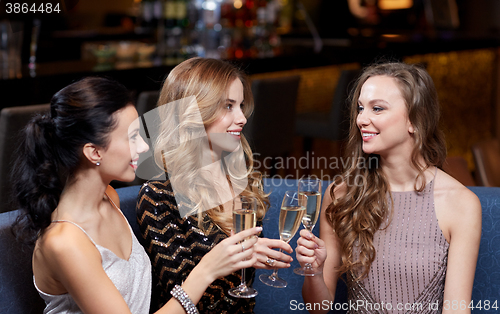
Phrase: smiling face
(383, 117)
(225, 133)
(119, 159)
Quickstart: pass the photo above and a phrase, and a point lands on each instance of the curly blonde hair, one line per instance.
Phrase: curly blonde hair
(202, 85)
(359, 213)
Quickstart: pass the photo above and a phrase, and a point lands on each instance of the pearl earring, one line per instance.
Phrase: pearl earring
(98, 163)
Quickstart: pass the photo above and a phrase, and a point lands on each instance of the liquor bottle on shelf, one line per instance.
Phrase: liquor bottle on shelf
(286, 17)
(210, 13)
(272, 13)
(181, 13)
(192, 13)
(146, 14)
(169, 13)
(227, 14)
(261, 13)
(250, 13)
(219, 28)
(158, 26)
(157, 12)
(226, 49)
(239, 15)
(172, 46)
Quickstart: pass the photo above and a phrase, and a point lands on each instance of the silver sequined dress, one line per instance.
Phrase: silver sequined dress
(131, 277)
(409, 270)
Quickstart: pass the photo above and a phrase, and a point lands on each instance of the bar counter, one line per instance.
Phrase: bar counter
(34, 86)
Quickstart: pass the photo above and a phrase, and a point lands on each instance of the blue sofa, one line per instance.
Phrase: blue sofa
(18, 296)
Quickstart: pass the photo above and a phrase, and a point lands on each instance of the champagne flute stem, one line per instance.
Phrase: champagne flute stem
(308, 266)
(275, 271)
(243, 282)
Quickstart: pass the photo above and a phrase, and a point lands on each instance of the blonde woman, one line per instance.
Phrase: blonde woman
(203, 107)
(405, 233)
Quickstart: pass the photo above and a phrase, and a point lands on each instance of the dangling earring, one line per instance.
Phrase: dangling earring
(98, 163)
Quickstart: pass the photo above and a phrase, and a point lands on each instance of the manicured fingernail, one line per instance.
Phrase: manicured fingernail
(259, 229)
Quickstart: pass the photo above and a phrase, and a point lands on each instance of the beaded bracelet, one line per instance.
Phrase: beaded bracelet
(180, 295)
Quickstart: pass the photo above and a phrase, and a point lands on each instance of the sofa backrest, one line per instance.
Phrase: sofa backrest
(289, 299)
(487, 277)
(17, 292)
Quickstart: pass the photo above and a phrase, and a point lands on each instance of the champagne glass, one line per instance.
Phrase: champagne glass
(244, 217)
(310, 190)
(292, 210)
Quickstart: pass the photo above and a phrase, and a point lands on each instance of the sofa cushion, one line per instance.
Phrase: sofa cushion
(17, 293)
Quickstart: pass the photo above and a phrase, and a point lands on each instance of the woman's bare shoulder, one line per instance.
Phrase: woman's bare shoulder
(457, 200)
(62, 241)
(452, 190)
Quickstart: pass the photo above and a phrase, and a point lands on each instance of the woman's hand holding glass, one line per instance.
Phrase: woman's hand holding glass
(291, 213)
(231, 254)
(310, 250)
(244, 217)
(267, 255)
(310, 191)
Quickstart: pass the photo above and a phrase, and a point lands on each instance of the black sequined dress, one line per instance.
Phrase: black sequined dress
(176, 245)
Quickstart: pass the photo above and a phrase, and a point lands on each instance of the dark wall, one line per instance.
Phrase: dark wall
(480, 17)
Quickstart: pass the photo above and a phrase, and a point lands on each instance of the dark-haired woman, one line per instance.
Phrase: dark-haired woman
(86, 258)
(405, 233)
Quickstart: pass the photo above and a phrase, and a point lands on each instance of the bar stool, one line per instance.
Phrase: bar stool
(146, 101)
(486, 156)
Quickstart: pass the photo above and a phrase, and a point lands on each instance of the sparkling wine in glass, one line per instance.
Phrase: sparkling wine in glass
(309, 192)
(244, 217)
(291, 212)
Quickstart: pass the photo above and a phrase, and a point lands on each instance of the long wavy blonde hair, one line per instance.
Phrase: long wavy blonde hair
(359, 213)
(207, 81)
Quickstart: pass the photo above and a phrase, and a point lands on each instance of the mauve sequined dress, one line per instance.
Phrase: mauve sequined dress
(409, 270)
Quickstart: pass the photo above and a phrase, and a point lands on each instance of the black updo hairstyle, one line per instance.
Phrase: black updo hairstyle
(52, 147)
